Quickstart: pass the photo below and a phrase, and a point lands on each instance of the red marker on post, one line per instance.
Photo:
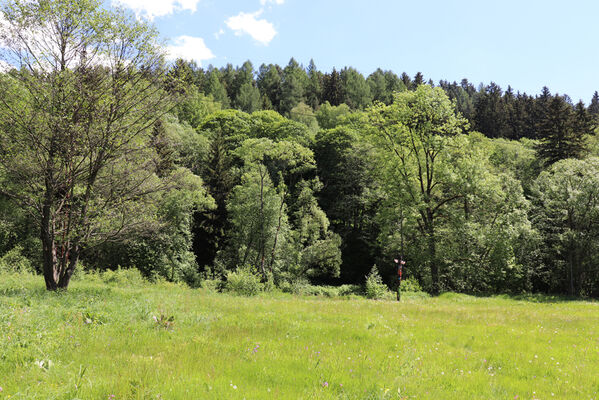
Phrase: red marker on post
(400, 263)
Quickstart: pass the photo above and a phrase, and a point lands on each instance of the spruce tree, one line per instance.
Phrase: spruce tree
(561, 130)
(314, 87)
(594, 106)
(418, 80)
(332, 90)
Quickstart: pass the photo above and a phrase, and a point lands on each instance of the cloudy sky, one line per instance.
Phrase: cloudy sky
(524, 43)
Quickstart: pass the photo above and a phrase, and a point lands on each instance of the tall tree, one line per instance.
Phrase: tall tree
(76, 117)
(314, 87)
(414, 134)
(378, 87)
(269, 82)
(594, 106)
(332, 88)
(293, 87)
(216, 89)
(225, 130)
(490, 111)
(566, 199)
(356, 92)
(418, 80)
(561, 131)
(248, 99)
(244, 81)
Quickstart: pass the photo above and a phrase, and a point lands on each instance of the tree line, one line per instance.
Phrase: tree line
(110, 157)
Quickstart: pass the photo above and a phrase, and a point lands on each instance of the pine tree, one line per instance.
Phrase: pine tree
(378, 87)
(332, 90)
(293, 87)
(490, 113)
(314, 88)
(561, 130)
(594, 106)
(216, 88)
(418, 80)
(407, 81)
(244, 76)
(356, 92)
(269, 82)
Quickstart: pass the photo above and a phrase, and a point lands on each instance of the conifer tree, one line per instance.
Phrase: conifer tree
(314, 87)
(332, 90)
(561, 134)
(594, 106)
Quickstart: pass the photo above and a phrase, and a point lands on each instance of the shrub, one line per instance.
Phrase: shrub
(189, 274)
(129, 277)
(243, 282)
(15, 261)
(410, 285)
(350, 290)
(211, 285)
(374, 287)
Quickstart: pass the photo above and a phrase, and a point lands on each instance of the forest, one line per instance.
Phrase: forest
(111, 157)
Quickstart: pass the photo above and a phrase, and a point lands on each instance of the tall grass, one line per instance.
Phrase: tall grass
(127, 339)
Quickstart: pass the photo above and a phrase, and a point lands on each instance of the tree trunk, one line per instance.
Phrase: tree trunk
(57, 270)
(571, 265)
(262, 246)
(69, 268)
(274, 246)
(48, 246)
(432, 248)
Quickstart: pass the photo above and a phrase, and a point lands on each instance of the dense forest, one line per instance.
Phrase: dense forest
(288, 172)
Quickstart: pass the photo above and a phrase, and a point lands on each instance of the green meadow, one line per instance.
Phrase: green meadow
(135, 340)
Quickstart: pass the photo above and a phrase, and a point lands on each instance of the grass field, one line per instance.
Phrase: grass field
(101, 341)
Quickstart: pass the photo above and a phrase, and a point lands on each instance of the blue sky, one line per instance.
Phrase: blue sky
(525, 43)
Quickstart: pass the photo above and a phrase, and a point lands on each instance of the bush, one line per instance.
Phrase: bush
(189, 274)
(211, 285)
(410, 285)
(374, 287)
(15, 261)
(129, 277)
(350, 290)
(243, 282)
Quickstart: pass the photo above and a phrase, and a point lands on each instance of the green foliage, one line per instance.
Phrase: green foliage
(248, 99)
(130, 277)
(566, 200)
(350, 196)
(318, 194)
(216, 89)
(100, 159)
(410, 285)
(562, 130)
(329, 116)
(303, 113)
(301, 287)
(195, 107)
(355, 89)
(259, 223)
(293, 87)
(374, 288)
(15, 261)
(243, 282)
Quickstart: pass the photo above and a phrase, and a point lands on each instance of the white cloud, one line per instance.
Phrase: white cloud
(278, 2)
(247, 23)
(218, 34)
(189, 48)
(158, 8)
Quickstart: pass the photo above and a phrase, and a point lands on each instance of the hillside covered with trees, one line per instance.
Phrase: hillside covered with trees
(110, 157)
